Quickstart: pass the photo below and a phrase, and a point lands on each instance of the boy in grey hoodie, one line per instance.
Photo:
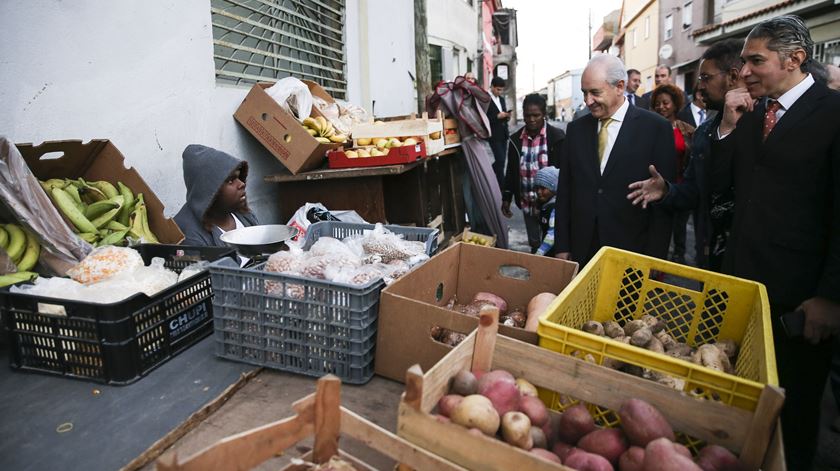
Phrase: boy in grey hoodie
(216, 200)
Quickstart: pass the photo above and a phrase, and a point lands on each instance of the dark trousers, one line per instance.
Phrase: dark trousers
(680, 220)
(802, 369)
(834, 376)
(499, 148)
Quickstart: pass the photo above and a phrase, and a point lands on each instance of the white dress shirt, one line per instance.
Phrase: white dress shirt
(497, 101)
(695, 111)
(612, 131)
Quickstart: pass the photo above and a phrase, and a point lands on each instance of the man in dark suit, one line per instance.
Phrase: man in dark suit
(634, 79)
(696, 112)
(778, 145)
(602, 154)
(661, 76)
(498, 117)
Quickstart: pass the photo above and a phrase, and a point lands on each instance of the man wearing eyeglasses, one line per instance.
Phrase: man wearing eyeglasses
(719, 69)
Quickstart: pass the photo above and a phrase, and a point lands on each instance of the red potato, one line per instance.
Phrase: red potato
(562, 449)
(661, 455)
(574, 424)
(534, 408)
(632, 460)
(492, 298)
(642, 423)
(500, 388)
(718, 458)
(486, 379)
(447, 404)
(546, 455)
(585, 461)
(551, 427)
(607, 442)
(683, 450)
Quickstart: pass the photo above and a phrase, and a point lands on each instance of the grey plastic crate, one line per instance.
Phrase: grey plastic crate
(340, 230)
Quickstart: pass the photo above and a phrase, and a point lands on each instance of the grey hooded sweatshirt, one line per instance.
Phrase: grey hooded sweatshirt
(205, 171)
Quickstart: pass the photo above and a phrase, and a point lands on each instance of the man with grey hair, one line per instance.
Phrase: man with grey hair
(603, 153)
(778, 147)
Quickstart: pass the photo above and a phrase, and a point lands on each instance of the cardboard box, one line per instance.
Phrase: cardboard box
(429, 129)
(97, 160)
(280, 133)
(410, 307)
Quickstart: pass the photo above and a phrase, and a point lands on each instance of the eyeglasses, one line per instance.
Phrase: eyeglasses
(707, 77)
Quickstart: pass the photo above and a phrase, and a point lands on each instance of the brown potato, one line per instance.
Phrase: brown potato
(612, 329)
(516, 430)
(464, 383)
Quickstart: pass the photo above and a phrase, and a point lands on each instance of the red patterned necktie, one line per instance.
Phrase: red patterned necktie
(770, 117)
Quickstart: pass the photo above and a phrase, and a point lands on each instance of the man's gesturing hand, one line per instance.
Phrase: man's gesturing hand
(648, 191)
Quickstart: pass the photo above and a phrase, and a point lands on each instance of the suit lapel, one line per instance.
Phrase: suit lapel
(800, 110)
(590, 148)
(502, 102)
(624, 134)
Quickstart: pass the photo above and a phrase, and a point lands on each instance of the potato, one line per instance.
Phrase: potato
(667, 340)
(655, 345)
(493, 299)
(660, 455)
(642, 423)
(641, 337)
(632, 460)
(562, 449)
(718, 458)
(442, 418)
(575, 423)
(448, 403)
(476, 411)
(655, 325)
(593, 327)
(516, 430)
(500, 387)
(546, 455)
(728, 347)
(631, 327)
(536, 308)
(679, 350)
(607, 442)
(613, 330)
(525, 387)
(683, 450)
(584, 461)
(534, 408)
(538, 437)
(551, 427)
(464, 383)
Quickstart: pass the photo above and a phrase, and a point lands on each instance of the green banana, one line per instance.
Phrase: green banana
(105, 218)
(68, 208)
(140, 223)
(4, 238)
(113, 238)
(99, 208)
(116, 226)
(17, 242)
(107, 188)
(91, 194)
(73, 191)
(89, 237)
(21, 276)
(30, 256)
(128, 204)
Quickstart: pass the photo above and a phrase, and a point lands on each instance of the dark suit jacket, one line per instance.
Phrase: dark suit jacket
(642, 102)
(498, 127)
(646, 100)
(511, 190)
(588, 201)
(687, 116)
(786, 231)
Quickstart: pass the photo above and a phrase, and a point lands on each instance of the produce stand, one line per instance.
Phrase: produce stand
(750, 434)
(407, 194)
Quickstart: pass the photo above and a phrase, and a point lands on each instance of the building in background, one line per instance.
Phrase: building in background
(453, 31)
(604, 37)
(504, 54)
(735, 18)
(677, 48)
(638, 38)
(564, 95)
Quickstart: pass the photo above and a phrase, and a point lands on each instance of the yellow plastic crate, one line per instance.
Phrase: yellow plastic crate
(622, 286)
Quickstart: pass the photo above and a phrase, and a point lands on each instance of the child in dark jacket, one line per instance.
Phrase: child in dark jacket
(546, 186)
(216, 199)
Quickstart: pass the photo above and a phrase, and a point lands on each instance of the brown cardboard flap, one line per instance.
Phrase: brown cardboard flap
(98, 159)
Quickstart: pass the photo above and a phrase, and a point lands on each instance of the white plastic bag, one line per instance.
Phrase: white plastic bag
(293, 96)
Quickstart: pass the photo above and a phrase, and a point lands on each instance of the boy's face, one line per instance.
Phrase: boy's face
(544, 194)
(231, 197)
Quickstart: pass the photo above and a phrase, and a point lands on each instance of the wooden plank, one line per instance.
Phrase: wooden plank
(413, 394)
(327, 418)
(436, 380)
(363, 195)
(760, 431)
(329, 174)
(391, 445)
(720, 424)
(774, 460)
(247, 449)
(453, 443)
(485, 340)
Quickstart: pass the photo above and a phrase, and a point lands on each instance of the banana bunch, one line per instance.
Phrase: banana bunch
(101, 213)
(18, 277)
(322, 130)
(21, 246)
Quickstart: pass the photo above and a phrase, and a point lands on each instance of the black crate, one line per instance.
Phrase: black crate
(115, 343)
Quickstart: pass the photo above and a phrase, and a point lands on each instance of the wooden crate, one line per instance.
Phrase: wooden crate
(750, 434)
(319, 414)
(411, 126)
(450, 131)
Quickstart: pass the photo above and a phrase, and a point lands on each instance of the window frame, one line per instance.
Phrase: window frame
(668, 26)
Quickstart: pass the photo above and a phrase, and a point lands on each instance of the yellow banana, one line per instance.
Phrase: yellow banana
(323, 140)
(140, 223)
(322, 125)
(30, 256)
(107, 188)
(312, 132)
(17, 242)
(19, 277)
(68, 208)
(4, 238)
(313, 124)
(340, 138)
(105, 218)
(128, 204)
(328, 129)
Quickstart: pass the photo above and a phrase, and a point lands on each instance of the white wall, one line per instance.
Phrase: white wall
(454, 24)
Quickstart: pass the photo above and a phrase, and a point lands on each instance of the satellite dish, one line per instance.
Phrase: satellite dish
(666, 51)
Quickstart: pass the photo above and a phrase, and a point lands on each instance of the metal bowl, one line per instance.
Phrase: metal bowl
(258, 240)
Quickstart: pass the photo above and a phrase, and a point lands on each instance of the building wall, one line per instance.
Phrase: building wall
(142, 74)
(642, 54)
(453, 25)
(684, 47)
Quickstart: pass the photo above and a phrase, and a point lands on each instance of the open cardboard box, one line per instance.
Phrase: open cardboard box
(413, 304)
(280, 133)
(98, 159)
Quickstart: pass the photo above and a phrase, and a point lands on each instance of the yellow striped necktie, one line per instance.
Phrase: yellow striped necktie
(603, 137)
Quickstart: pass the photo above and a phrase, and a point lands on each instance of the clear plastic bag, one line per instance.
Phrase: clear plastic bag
(105, 262)
(293, 96)
(193, 269)
(390, 246)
